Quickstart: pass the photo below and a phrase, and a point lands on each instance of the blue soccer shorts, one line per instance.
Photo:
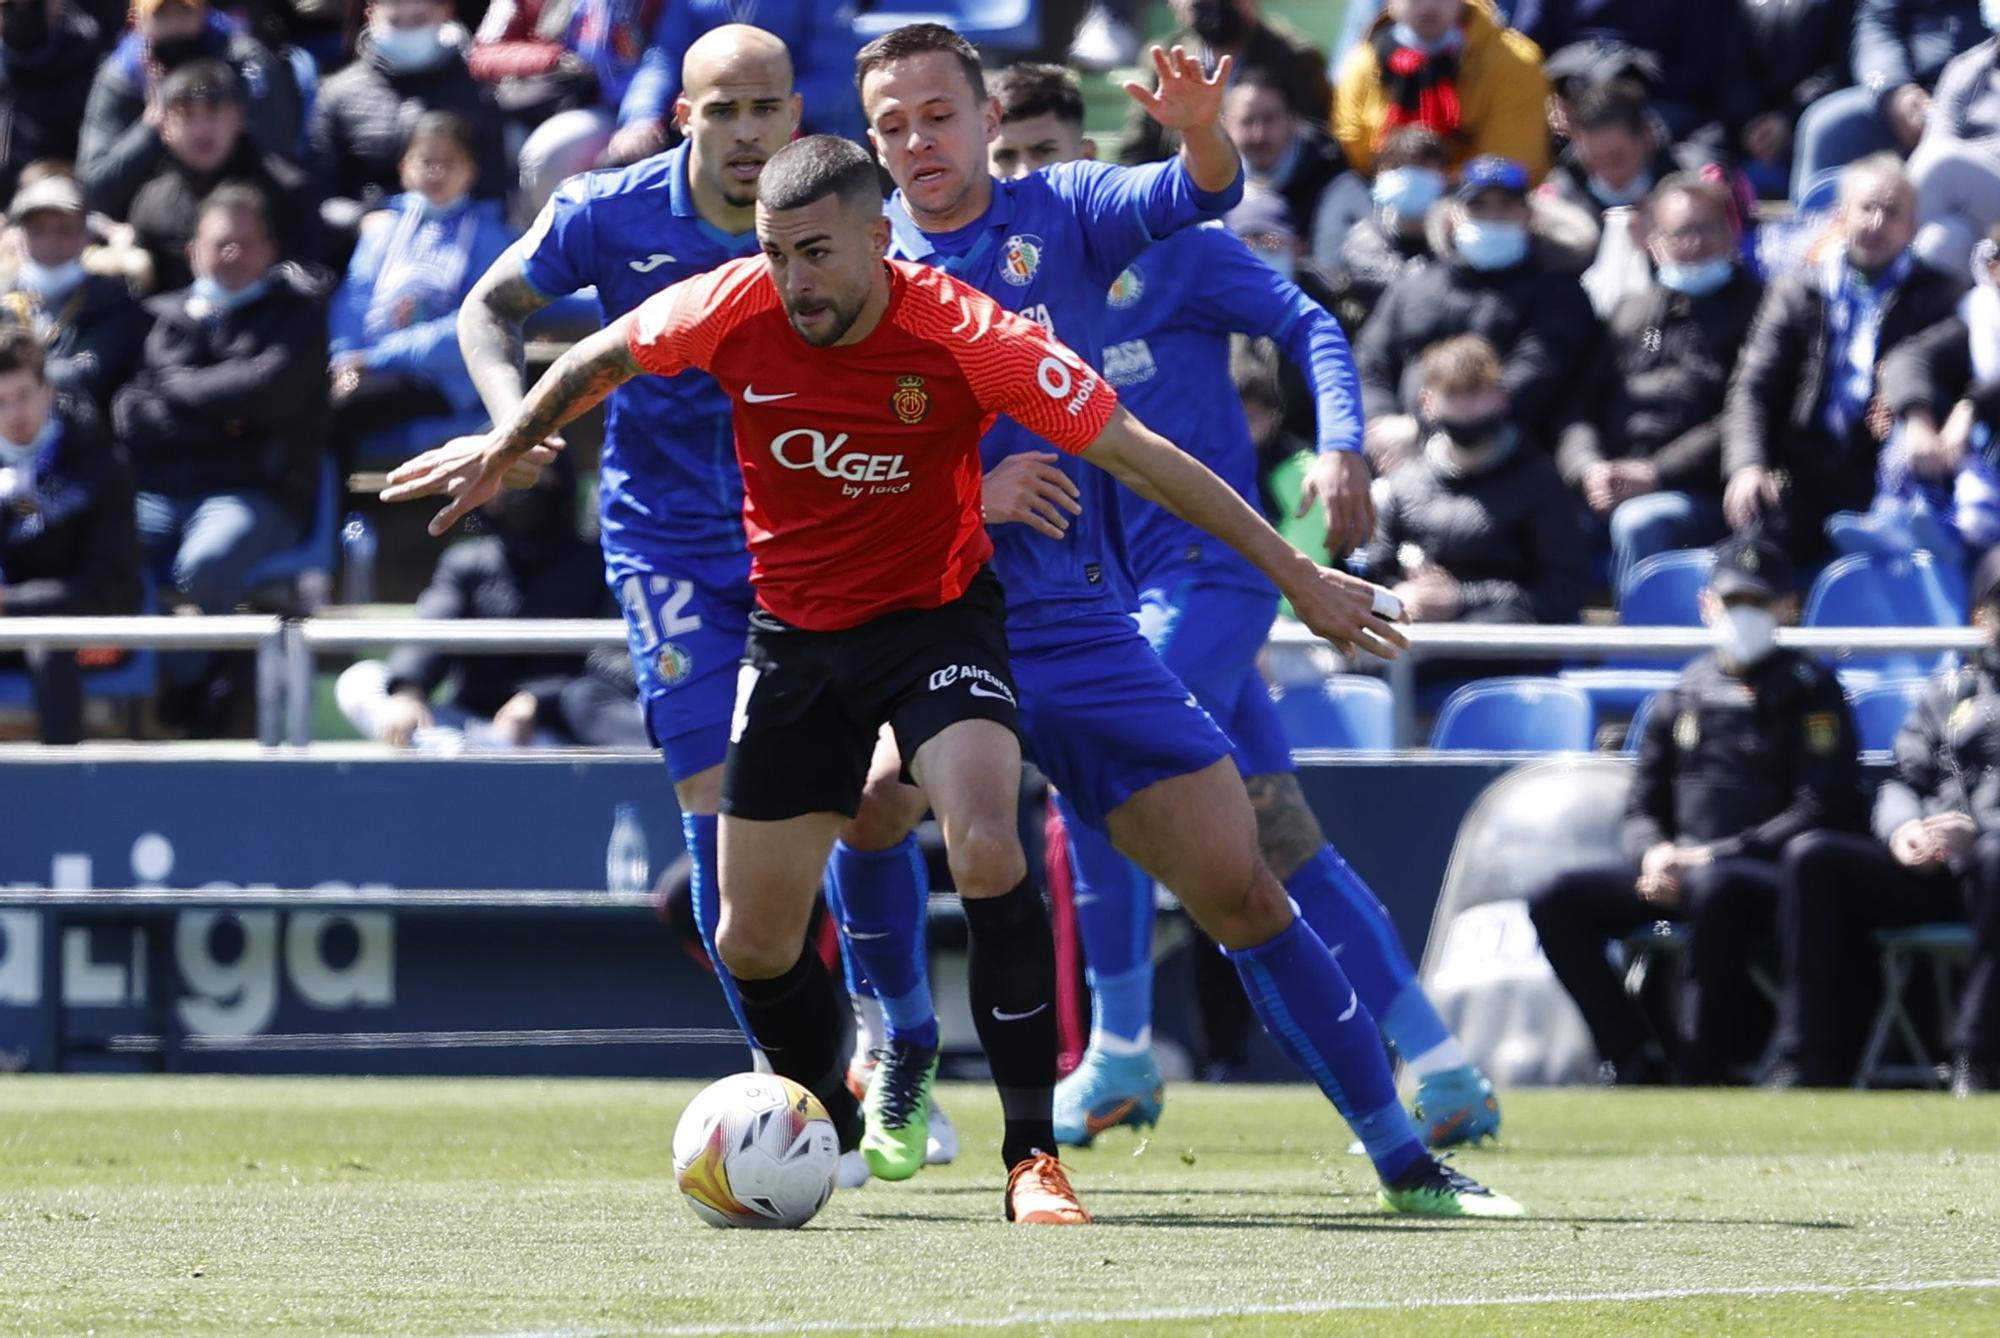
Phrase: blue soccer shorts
(1209, 635)
(1103, 716)
(686, 622)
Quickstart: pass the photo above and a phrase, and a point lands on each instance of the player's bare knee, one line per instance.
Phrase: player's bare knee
(986, 860)
(753, 951)
(1288, 835)
(701, 793)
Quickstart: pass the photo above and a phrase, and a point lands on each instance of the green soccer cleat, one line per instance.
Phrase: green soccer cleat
(1433, 1189)
(897, 1110)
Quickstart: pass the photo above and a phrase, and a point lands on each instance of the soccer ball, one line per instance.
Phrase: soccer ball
(755, 1150)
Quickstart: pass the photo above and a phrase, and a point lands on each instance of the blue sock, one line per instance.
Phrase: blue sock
(1348, 917)
(698, 831)
(1317, 1019)
(1114, 915)
(858, 983)
(879, 896)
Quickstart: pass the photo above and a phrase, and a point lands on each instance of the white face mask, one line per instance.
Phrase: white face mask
(407, 48)
(1745, 634)
(48, 281)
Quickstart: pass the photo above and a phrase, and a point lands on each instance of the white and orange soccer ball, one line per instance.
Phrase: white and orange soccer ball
(755, 1150)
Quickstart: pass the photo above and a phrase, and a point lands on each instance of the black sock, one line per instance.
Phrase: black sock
(797, 1021)
(1012, 970)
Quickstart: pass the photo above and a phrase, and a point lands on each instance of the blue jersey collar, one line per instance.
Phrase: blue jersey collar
(680, 198)
(915, 243)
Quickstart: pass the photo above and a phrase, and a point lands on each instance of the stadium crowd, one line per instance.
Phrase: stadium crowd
(1621, 277)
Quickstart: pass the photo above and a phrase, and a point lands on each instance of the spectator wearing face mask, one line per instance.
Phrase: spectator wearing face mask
(394, 321)
(1645, 451)
(1409, 180)
(532, 564)
(48, 54)
(1478, 526)
(66, 540)
(1450, 65)
(1618, 150)
(1752, 749)
(1804, 420)
(1239, 30)
(205, 135)
(1492, 279)
(88, 324)
(222, 419)
(1284, 154)
(119, 146)
(410, 59)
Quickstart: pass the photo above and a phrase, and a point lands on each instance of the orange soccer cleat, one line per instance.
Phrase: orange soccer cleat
(1038, 1192)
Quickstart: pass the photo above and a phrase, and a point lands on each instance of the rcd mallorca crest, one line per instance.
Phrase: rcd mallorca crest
(911, 401)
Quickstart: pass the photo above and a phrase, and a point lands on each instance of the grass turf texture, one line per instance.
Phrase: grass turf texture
(208, 1205)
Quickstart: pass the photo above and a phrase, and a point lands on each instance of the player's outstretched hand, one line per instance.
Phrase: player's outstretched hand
(1030, 489)
(1351, 613)
(1340, 479)
(469, 470)
(1186, 97)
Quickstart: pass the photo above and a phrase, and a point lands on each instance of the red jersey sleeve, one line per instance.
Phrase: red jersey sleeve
(682, 326)
(1013, 365)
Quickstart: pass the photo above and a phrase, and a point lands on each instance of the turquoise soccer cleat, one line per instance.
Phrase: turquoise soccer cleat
(1457, 1107)
(1106, 1091)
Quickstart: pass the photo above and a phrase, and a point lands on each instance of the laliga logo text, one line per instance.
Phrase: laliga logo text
(809, 448)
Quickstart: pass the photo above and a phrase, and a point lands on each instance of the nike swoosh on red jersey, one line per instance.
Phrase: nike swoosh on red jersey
(750, 396)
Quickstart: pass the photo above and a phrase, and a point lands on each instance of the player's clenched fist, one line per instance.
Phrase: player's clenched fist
(1351, 613)
(1030, 489)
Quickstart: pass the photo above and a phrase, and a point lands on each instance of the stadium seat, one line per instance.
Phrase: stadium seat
(133, 679)
(1662, 591)
(1341, 711)
(299, 578)
(1862, 590)
(1881, 708)
(1008, 24)
(1947, 950)
(1637, 729)
(1515, 715)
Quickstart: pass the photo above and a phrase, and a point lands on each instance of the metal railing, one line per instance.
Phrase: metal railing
(287, 650)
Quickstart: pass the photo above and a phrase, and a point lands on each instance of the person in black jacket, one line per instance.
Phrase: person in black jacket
(89, 324)
(1410, 174)
(205, 142)
(1489, 279)
(1803, 425)
(66, 540)
(48, 53)
(535, 564)
(118, 147)
(1751, 749)
(224, 419)
(1646, 451)
(1935, 856)
(1479, 527)
(1618, 150)
(1778, 58)
(407, 62)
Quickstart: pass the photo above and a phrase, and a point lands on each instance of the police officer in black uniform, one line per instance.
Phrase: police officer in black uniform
(1752, 747)
(1935, 856)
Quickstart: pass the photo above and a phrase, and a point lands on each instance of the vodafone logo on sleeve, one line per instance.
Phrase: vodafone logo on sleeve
(809, 448)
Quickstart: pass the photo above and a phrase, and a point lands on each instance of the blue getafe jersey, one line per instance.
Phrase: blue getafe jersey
(670, 487)
(1049, 246)
(1167, 354)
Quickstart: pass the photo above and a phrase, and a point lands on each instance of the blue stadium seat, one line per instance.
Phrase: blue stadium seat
(1009, 24)
(1863, 590)
(313, 556)
(1662, 591)
(1515, 715)
(1340, 711)
(132, 679)
(1636, 731)
(1881, 708)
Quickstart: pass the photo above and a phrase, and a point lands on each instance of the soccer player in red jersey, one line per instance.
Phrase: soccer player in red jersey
(861, 388)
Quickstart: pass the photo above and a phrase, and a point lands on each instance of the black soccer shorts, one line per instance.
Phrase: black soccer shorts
(809, 705)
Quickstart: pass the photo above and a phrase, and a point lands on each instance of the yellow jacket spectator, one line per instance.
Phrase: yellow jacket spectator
(1450, 65)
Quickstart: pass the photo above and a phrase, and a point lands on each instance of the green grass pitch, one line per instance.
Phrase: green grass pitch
(216, 1205)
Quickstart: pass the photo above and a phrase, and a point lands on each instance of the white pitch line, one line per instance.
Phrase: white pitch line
(1168, 1314)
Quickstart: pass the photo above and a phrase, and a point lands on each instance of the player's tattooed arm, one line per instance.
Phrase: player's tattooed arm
(573, 385)
(1287, 832)
(490, 334)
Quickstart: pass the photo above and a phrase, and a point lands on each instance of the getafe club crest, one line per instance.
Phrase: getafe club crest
(675, 664)
(1021, 258)
(911, 401)
(1125, 289)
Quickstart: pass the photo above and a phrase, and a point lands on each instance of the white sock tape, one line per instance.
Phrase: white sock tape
(1387, 604)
